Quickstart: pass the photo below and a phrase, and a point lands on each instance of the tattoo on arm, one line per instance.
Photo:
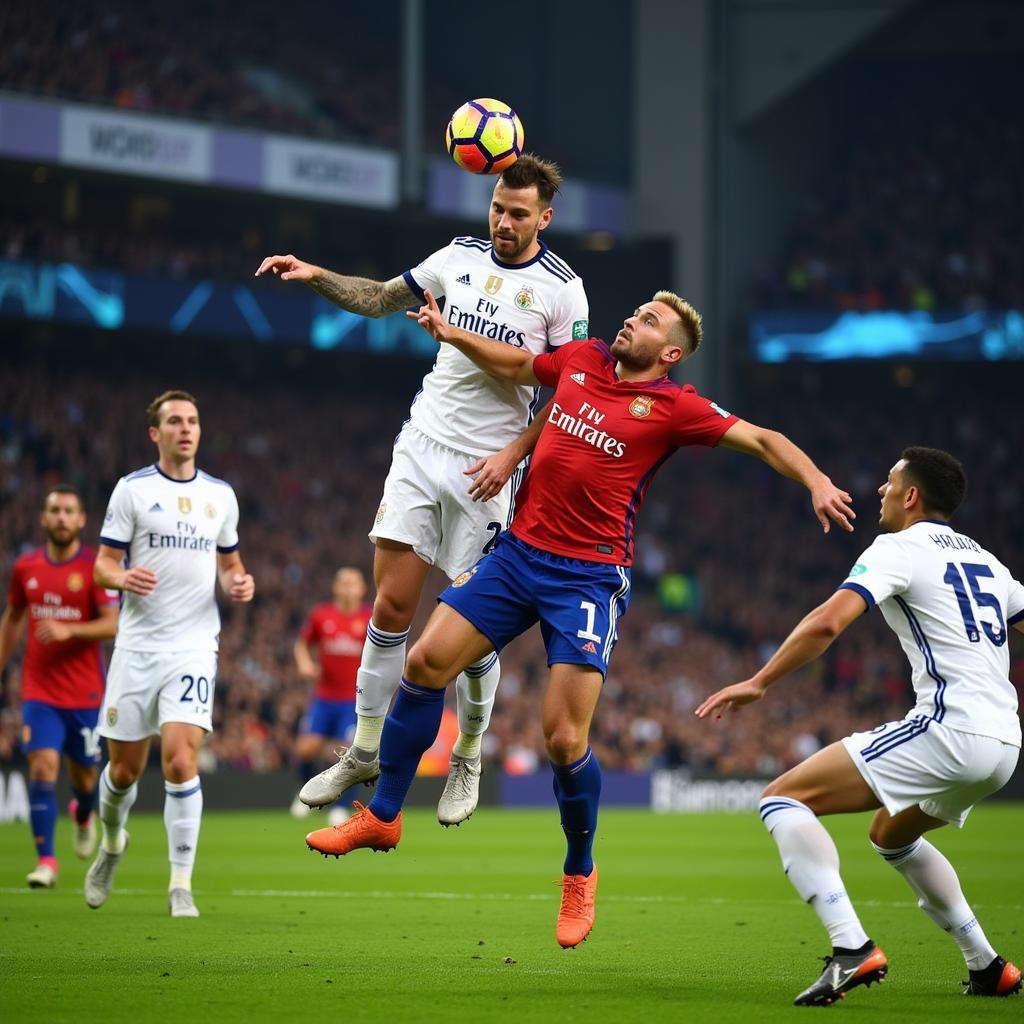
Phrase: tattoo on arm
(363, 296)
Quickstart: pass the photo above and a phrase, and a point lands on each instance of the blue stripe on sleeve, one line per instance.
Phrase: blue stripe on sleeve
(413, 286)
(869, 599)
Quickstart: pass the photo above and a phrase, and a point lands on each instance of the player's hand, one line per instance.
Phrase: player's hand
(307, 671)
(288, 268)
(242, 587)
(832, 503)
(429, 318)
(731, 698)
(490, 474)
(139, 580)
(50, 632)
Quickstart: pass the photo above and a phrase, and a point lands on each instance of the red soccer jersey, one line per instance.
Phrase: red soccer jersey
(339, 636)
(68, 674)
(600, 448)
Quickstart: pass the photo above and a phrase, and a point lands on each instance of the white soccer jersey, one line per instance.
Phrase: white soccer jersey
(536, 305)
(950, 603)
(176, 528)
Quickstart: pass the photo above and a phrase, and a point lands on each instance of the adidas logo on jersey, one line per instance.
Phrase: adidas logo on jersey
(589, 647)
(580, 378)
(155, 507)
(462, 280)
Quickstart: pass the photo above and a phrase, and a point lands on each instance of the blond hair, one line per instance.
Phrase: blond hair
(690, 331)
(153, 409)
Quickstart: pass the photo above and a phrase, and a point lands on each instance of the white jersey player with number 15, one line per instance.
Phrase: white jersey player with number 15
(170, 533)
(448, 495)
(951, 603)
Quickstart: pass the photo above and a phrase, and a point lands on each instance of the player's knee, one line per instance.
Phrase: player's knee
(180, 765)
(424, 667)
(43, 765)
(774, 788)
(392, 610)
(565, 743)
(122, 775)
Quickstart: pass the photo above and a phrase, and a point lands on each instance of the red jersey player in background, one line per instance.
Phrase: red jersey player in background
(337, 629)
(565, 562)
(62, 674)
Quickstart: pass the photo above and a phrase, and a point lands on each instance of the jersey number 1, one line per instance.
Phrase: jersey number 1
(972, 571)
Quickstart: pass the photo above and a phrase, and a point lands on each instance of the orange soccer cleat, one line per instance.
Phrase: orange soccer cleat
(364, 830)
(1000, 978)
(576, 914)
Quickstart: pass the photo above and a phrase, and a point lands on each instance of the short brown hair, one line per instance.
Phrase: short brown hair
(529, 170)
(63, 488)
(691, 327)
(153, 409)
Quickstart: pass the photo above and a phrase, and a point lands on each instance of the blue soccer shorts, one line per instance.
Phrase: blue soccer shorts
(578, 604)
(335, 719)
(70, 731)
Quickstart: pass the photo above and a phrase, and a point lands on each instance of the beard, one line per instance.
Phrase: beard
(519, 246)
(632, 359)
(62, 537)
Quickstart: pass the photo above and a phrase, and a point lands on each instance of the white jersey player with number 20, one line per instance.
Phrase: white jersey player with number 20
(170, 533)
(448, 494)
(951, 604)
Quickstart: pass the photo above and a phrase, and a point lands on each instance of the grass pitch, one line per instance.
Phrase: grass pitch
(695, 922)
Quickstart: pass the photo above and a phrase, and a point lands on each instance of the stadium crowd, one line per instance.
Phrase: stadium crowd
(918, 213)
(729, 557)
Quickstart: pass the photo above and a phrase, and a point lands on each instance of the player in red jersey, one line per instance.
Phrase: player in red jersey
(615, 418)
(337, 629)
(62, 674)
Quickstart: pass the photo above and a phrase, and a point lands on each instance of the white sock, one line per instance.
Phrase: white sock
(937, 887)
(183, 810)
(114, 807)
(474, 690)
(811, 862)
(380, 672)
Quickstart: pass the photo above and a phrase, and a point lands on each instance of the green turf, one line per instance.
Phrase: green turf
(695, 922)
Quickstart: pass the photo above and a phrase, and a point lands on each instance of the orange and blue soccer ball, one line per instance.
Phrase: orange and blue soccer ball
(484, 136)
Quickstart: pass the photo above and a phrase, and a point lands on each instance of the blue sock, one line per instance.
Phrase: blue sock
(306, 770)
(86, 803)
(352, 793)
(42, 798)
(408, 732)
(577, 789)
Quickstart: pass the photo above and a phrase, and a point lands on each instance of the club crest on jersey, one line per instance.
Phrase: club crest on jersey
(463, 578)
(210, 511)
(524, 297)
(184, 506)
(641, 406)
(111, 716)
(75, 582)
(493, 284)
(381, 509)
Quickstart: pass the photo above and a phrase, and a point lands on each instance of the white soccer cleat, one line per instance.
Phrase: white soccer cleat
(43, 876)
(325, 788)
(181, 903)
(298, 809)
(84, 839)
(99, 879)
(461, 791)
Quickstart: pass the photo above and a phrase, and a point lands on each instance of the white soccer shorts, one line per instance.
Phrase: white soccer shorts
(426, 504)
(145, 689)
(920, 762)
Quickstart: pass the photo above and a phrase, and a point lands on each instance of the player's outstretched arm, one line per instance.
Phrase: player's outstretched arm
(234, 580)
(810, 639)
(506, 362)
(355, 294)
(492, 472)
(108, 573)
(304, 659)
(828, 501)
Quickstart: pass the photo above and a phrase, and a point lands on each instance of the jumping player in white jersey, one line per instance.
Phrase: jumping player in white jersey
(170, 533)
(950, 603)
(462, 423)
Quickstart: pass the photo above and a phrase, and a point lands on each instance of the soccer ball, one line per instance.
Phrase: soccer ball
(484, 136)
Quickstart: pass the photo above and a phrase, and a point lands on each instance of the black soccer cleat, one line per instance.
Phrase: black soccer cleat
(843, 973)
(1000, 978)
